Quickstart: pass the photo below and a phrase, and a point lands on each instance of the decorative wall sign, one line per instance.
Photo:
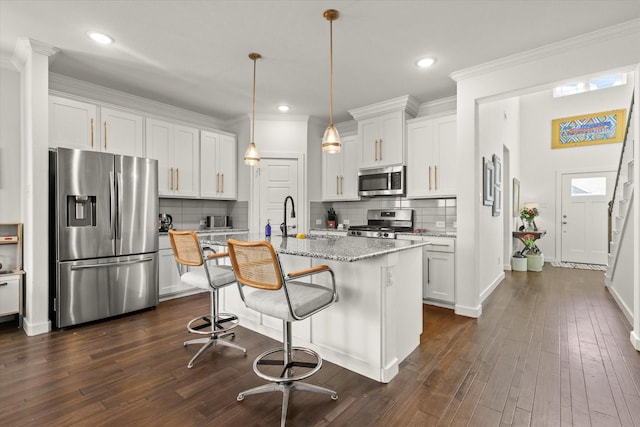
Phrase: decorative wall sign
(516, 197)
(497, 186)
(588, 129)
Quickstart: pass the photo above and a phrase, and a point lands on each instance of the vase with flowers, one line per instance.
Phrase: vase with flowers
(528, 216)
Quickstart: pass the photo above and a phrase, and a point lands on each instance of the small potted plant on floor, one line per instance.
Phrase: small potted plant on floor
(533, 254)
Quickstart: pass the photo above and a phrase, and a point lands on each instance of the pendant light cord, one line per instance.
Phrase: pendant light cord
(253, 104)
(331, 73)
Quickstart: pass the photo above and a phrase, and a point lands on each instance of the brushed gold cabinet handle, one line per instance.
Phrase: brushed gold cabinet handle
(177, 179)
(341, 184)
(380, 148)
(337, 184)
(217, 183)
(105, 135)
(435, 175)
(429, 178)
(375, 150)
(171, 178)
(222, 175)
(92, 132)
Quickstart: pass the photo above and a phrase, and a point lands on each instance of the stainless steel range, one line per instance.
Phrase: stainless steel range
(384, 223)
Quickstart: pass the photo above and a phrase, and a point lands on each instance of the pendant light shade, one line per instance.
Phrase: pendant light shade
(251, 157)
(331, 140)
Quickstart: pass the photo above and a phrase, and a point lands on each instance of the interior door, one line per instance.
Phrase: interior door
(278, 179)
(584, 216)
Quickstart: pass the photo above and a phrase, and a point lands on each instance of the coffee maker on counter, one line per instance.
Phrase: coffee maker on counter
(165, 222)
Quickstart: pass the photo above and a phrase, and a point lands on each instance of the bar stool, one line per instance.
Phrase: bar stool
(257, 266)
(189, 253)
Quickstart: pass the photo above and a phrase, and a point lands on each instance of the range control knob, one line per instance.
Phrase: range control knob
(385, 234)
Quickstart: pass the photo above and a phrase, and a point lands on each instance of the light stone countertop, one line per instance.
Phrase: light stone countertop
(345, 249)
(215, 231)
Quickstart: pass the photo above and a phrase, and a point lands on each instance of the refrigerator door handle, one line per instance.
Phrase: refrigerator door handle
(119, 208)
(111, 264)
(112, 203)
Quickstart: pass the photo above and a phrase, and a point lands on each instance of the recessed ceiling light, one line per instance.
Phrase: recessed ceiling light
(100, 37)
(426, 62)
(284, 108)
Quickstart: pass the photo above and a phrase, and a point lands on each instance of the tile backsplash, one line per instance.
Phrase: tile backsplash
(429, 214)
(187, 213)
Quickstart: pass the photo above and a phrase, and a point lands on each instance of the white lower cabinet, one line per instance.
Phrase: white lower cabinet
(438, 278)
(169, 283)
(9, 294)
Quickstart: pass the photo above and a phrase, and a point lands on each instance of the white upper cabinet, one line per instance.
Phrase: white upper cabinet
(382, 140)
(77, 124)
(340, 172)
(72, 124)
(176, 148)
(121, 132)
(431, 164)
(218, 175)
(381, 131)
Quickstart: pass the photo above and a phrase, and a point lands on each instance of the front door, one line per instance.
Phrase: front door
(278, 178)
(585, 198)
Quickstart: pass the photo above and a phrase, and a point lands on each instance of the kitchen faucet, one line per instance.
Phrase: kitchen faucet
(293, 214)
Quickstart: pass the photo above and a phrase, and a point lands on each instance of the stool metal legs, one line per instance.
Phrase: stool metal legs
(216, 321)
(287, 381)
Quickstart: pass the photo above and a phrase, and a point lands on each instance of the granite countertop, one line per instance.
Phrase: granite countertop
(215, 230)
(431, 233)
(345, 249)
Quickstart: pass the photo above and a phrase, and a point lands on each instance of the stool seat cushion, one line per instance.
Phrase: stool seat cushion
(221, 275)
(305, 299)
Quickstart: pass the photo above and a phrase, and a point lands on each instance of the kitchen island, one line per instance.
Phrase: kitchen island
(377, 320)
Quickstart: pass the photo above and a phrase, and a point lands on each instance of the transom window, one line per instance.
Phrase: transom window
(594, 83)
(596, 186)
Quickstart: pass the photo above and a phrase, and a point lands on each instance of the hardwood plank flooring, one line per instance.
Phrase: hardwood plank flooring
(551, 349)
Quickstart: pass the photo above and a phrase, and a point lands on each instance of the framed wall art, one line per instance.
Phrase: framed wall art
(516, 197)
(487, 182)
(588, 129)
(497, 201)
(497, 171)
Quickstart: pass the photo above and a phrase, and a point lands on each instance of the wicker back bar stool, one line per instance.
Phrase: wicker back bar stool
(194, 266)
(265, 289)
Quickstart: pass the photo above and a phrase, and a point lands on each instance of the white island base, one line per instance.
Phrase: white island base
(373, 327)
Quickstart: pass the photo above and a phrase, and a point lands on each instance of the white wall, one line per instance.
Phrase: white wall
(498, 127)
(10, 204)
(540, 163)
(314, 159)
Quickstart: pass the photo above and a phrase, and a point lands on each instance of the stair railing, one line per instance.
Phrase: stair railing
(615, 187)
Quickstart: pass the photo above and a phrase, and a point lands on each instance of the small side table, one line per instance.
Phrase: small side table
(535, 235)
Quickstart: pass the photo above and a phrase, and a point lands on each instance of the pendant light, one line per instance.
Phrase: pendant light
(331, 139)
(251, 157)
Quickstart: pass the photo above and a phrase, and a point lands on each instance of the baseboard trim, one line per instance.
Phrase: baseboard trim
(474, 312)
(492, 287)
(32, 329)
(635, 340)
(628, 314)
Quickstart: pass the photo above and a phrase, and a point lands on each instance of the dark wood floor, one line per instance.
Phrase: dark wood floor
(551, 349)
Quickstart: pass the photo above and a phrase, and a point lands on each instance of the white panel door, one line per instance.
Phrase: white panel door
(585, 198)
(278, 179)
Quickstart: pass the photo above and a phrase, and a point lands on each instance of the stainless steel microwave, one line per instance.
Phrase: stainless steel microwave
(388, 181)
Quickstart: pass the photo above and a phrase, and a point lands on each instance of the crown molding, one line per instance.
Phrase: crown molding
(284, 117)
(69, 87)
(25, 46)
(441, 106)
(599, 36)
(406, 103)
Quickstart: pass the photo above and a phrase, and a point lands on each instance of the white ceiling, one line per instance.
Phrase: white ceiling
(193, 54)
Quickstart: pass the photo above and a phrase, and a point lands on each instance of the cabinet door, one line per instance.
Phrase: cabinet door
(420, 167)
(331, 173)
(168, 278)
(227, 166)
(350, 167)
(209, 175)
(439, 273)
(9, 294)
(185, 161)
(121, 132)
(72, 124)
(391, 139)
(159, 146)
(369, 134)
(445, 151)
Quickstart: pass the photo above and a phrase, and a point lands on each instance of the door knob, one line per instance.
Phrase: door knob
(564, 222)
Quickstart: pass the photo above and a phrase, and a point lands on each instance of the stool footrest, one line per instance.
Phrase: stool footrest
(287, 375)
(218, 326)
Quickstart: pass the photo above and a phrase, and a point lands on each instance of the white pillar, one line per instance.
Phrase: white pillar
(32, 59)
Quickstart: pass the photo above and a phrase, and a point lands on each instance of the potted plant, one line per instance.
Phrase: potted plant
(518, 262)
(533, 254)
(528, 216)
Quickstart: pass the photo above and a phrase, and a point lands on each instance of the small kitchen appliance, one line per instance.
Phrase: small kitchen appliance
(384, 223)
(215, 221)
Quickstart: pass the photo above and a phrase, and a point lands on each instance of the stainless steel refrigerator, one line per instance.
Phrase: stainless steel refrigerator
(103, 235)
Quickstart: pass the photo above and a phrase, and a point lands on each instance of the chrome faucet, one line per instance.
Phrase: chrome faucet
(293, 214)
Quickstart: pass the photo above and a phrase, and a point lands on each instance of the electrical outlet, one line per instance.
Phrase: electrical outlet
(346, 221)
(203, 222)
(318, 221)
(440, 224)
